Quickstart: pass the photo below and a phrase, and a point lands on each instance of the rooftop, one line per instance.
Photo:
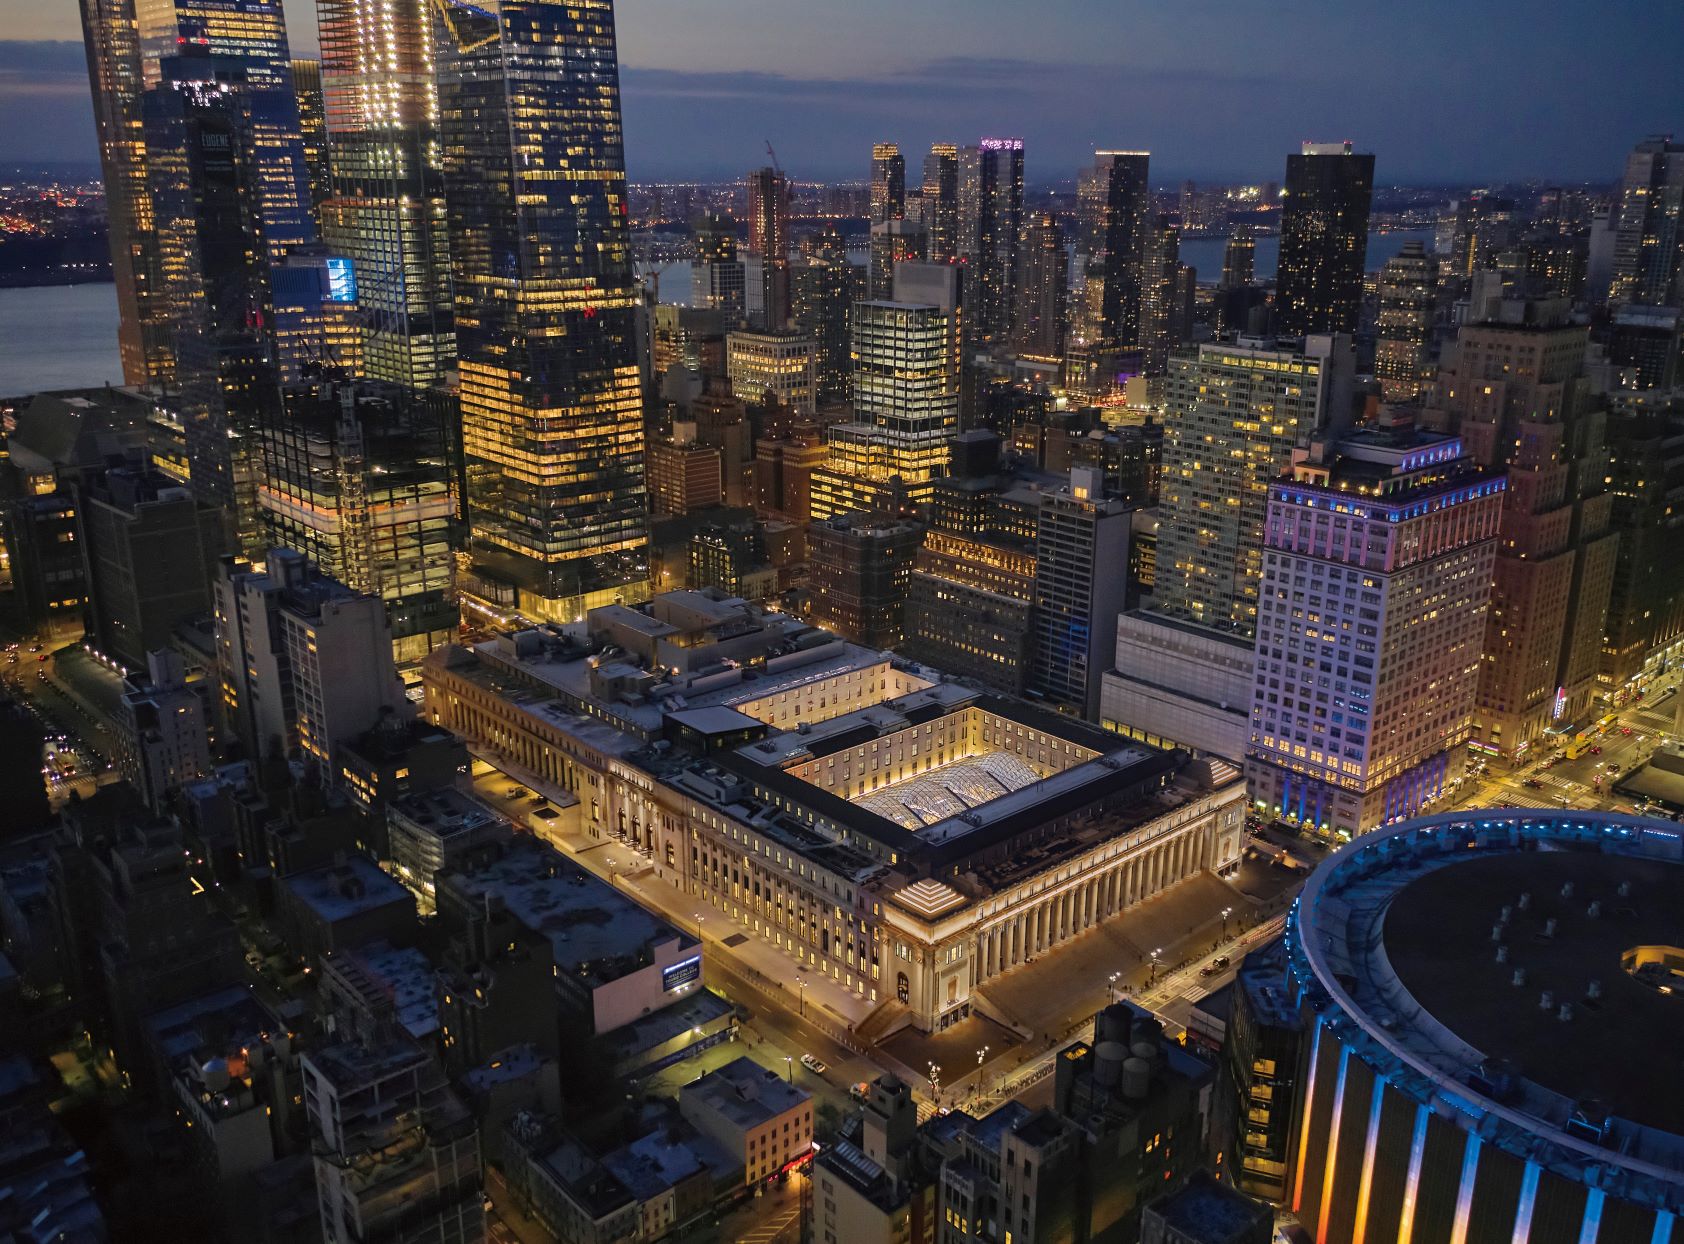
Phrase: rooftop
(445, 812)
(341, 891)
(1621, 1049)
(1211, 1212)
(595, 933)
(746, 1093)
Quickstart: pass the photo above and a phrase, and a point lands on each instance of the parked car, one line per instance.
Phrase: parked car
(816, 1066)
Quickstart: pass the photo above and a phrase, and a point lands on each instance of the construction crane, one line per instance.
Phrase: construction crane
(776, 167)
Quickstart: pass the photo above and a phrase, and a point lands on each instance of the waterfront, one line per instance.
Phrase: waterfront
(58, 337)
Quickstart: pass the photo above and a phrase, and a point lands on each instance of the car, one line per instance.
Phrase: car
(1626, 730)
(1218, 964)
(816, 1066)
(1596, 751)
(1532, 784)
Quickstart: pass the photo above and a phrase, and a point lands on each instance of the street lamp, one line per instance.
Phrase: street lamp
(789, 1068)
(935, 1082)
(1155, 955)
(698, 918)
(801, 994)
(1112, 982)
(1226, 912)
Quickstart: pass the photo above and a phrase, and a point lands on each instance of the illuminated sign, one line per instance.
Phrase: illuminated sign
(684, 972)
(1560, 703)
(341, 279)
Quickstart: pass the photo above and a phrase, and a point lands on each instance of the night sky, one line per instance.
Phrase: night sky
(1440, 90)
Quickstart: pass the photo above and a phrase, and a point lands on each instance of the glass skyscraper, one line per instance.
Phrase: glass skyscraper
(552, 403)
(1324, 239)
(1114, 198)
(990, 224)
(386, 212)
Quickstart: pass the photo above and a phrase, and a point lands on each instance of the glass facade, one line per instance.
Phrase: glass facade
(1324, 239)
(386, 211)
(552, 402)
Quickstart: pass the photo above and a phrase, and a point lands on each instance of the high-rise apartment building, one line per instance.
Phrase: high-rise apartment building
(888, 183)
(1081, 574)
(1376, 583)
(1404, 331)
(1113, 201)
(892, 242)
(1235, 412)
(990, 229)
(826, 284)
(1164, 296)
(1324, 239)
(1649, 235)
(717, 275)
(1514, 389)
(1239, 258)
(1043, 290)
(940, 202)
(386, 213)
(768, 238)
(546, 305)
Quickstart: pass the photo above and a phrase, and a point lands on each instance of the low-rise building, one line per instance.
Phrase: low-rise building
(1206, 1211)
(757, 1116)
(343, 906)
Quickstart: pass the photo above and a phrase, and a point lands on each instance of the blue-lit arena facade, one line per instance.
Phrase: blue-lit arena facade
(1418, 1120)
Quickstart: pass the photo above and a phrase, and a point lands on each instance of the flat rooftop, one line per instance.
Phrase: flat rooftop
(746, 1093)
(340, 891)
(1622, 1049)
(595, 933)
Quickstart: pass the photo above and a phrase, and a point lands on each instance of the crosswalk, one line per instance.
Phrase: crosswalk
(783, 1226)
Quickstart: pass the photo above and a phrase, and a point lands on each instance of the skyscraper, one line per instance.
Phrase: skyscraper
(552, 407)
(1113, 200)
(1239, 258)
(386, 212)
(312, 128)
(888, 183)
(1235, 412)
(716, 276)
(1324, 239)
(768, 237)
(1404, 332)
(1377, 557)
(827, 284)
(1649, 237)
(1042, 291)
(1514, 389)
(1162, 319)
(145, 336)
(1081, 550)
(940, 202)
(990, 226)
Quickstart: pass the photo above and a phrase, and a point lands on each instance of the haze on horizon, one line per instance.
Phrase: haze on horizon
(1441, 91)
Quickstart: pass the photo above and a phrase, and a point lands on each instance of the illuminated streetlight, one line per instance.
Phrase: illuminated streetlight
(1155, 955)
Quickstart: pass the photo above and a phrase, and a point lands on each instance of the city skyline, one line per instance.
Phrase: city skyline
(1213, 97)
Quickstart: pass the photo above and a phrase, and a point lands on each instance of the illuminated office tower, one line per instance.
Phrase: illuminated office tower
(888, 183)
(940, 202)
(1649, 235)
(1324, 239)
(768, 238)
(312, 128)
(781, 367)
(1114, 199)
(552, 403)
(1081, 550)
(387, 213)
(145, 335)
(1404, 331)
(1513, 387)
(359, 478)
(1042, 290)
(893, 242)
(1235, 412)
(990, 224)
(716, 276)
(826, 285)
(906, 399)
(1377, 558)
